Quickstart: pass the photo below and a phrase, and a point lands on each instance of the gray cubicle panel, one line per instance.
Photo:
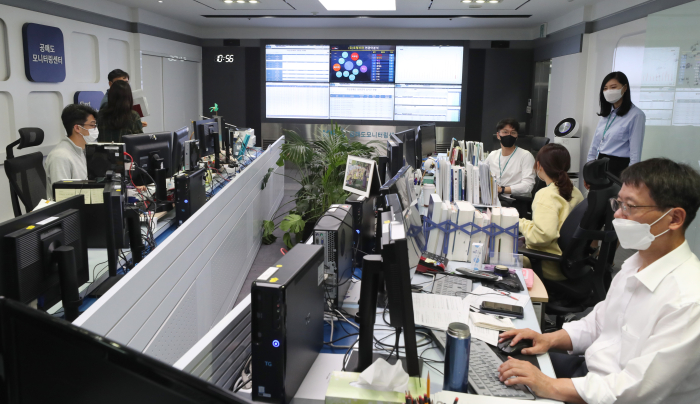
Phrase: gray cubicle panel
(221, 354)
(191, 281)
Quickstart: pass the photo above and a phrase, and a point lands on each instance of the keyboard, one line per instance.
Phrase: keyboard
(483, 374)
(483, 370)
(451, 285)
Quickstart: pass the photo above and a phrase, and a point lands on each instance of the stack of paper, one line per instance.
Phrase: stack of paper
(458, 249)
(438, 213)
(491, 322)
(504, 242)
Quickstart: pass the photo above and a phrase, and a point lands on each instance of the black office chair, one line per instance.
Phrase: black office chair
(588, 276)
(26, 173)
(520, 202)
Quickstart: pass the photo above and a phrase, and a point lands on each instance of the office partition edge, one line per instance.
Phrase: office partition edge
(168, 302)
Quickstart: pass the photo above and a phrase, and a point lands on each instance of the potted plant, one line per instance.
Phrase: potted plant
(321, 165)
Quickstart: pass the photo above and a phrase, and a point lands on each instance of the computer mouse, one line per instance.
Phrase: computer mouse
(515, 349)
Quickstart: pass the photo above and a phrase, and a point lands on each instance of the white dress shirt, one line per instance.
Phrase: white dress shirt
(515, 171)
(642, 343)
(65, 162)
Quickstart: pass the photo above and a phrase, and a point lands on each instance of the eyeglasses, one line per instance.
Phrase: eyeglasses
(506, 133)
(90, 125)
(626, 209)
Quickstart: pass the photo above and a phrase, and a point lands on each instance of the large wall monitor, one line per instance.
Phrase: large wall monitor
(364, 82)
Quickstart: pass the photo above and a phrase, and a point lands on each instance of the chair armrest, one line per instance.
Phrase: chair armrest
(522, 198)
(539, 255)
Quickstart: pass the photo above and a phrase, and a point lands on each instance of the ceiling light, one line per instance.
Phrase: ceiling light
(493, 1)
(240, 1)
(466, 1)
(359, 5)
(228, 1)
(253, 1)
(481, 1)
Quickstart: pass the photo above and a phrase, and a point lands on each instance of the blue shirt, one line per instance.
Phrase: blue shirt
(623, 138)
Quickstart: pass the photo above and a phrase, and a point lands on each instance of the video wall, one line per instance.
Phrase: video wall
(364, 82)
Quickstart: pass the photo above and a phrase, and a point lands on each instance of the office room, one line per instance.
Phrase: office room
(400, 201)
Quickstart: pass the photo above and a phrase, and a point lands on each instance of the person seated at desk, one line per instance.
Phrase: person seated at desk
(510, 165)
(642, 343)
(118, 118)
(67, 160)
(551, 206)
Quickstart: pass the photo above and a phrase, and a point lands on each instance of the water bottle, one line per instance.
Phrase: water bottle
(457, 358)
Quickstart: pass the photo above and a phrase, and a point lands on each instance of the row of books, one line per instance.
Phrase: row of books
(460, 244)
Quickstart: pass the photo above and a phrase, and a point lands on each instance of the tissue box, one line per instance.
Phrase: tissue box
(340, 391)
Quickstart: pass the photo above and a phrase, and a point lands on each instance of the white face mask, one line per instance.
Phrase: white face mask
(634, 235)
(92, 135)
(613, 96)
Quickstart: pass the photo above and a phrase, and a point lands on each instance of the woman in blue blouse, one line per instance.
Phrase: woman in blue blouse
(620, 132)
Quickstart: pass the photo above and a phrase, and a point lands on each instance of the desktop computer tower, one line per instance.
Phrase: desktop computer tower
(191, 155)
(286, 323)
(190, 193)
(334, 231)
(363, 221)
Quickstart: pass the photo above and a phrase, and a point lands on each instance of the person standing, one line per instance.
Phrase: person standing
(113, 76)
(118, 118)
(620, 132)
(511, 166)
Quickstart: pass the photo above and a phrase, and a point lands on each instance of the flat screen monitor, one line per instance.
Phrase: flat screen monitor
(86, 367)
(409, 146)
(150, 151)
(180, 136)
(399, 185)
(29, 266)
(362, 63)
(204, 130)
(359, 173)
(395, 153)
(419, 149)
(438, 64)
(297, 63)
(428, 142)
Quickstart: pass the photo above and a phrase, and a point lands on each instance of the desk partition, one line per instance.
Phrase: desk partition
(191, 281)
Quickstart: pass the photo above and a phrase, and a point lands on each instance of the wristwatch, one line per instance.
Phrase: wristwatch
(503, 190)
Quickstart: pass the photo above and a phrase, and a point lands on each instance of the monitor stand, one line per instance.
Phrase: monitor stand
(64, 257)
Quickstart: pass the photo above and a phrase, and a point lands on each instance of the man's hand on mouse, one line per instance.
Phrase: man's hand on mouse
(525, 373)
(540, 342)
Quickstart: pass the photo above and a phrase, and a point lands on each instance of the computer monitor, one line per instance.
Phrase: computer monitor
(409, 149)
(394, 152)
(180, 136)
(428, 139)
(44, 256)
(419, 149)
(359, 173)
(104, 157)
(80, 366)
(152, 153)
(204, 131)
(400, 184)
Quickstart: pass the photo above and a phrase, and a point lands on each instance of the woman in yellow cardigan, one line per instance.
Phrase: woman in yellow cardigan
(551, 206)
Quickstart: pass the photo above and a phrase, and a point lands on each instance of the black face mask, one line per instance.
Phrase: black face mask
(508, 141)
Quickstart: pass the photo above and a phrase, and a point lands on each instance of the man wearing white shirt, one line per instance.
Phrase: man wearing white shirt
(642, 343)
(511, 166)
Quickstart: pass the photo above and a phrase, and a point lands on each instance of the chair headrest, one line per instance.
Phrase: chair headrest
(29, 137)
(594, 173)
(538, 142)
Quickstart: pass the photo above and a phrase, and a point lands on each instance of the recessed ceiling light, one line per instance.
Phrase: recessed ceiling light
(480, 1)
(359, 5)
(253, 1)
(160, 1)
(240, 1)
(228, 1)
(493, 1)
(466, 1)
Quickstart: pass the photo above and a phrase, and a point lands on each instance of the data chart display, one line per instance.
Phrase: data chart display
(362, 64)
(429, 64)
(300, 63)
(297, 100)
(362, 101)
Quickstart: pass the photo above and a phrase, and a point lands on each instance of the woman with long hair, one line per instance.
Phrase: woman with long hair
(620, 132)
(551, 206)
(117, 118)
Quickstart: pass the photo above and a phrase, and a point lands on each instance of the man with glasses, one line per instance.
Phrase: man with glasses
(642, 343)
(67, 160)
(511, 166)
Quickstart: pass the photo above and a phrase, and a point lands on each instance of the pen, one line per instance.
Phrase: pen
(506, 294)
(456, 399)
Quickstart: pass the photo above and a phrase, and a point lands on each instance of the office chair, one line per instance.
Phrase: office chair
(588, 276)
(524, 203)
(26, 173)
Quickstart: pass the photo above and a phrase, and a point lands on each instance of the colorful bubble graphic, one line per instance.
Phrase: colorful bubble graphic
(359, 62)
(354, 56)
(349, 65)
(352, 77)
(341, 61)
(345, 54)
(363, 69)
(355, 72)
(346, 73)
(336, 67)
(338, 74)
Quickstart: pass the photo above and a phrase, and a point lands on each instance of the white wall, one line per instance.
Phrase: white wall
(576, 78)
(91, 53)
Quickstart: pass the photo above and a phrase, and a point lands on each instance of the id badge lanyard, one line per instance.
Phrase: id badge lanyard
(607, 126)
(501, 170)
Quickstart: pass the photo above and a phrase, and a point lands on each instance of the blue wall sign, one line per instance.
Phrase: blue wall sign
(44, 55)
(89, 98)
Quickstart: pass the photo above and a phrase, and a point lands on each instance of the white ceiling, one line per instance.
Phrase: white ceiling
(192, 12)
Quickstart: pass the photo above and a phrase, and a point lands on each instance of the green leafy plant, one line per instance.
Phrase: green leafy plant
(321, 163)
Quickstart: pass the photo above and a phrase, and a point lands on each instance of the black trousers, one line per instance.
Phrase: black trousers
(616, 164)
(568, 366)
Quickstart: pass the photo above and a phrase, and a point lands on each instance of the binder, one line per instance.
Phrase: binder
(458, 249)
